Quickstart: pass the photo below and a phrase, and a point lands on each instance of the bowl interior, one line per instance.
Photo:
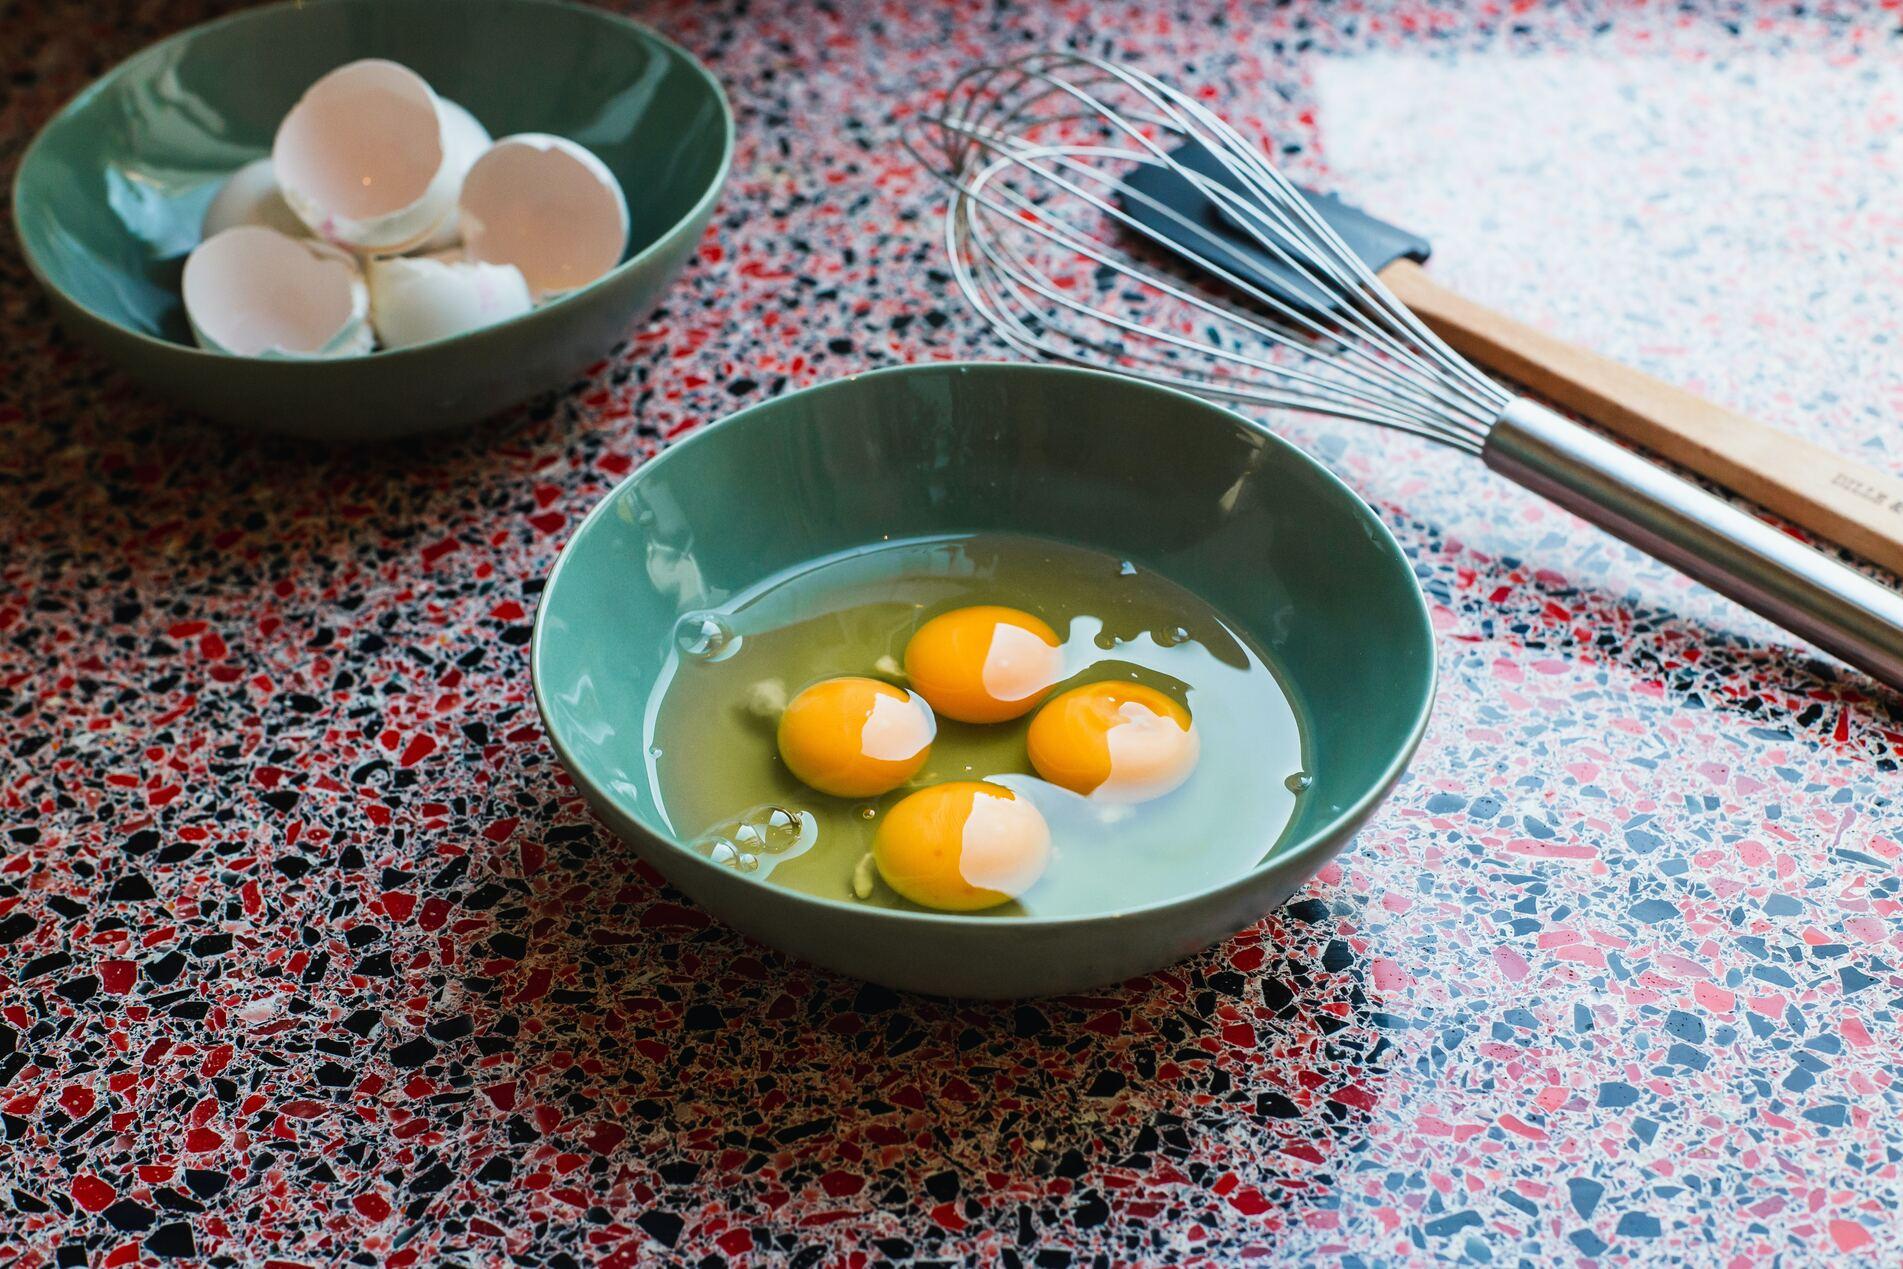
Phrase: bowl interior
(110, 198)
(1248, 522)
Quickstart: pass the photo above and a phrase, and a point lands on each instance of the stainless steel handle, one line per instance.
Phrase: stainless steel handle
(1840, 610)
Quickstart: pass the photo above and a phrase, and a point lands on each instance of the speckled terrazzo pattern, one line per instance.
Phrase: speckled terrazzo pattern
(309, 952)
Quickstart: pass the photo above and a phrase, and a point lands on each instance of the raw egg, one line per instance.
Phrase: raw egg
(984, 664)
(856, 737)
(1119, 741)
(962, 846)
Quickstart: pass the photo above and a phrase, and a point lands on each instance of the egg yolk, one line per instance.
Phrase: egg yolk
(1120, 741)
(962, 846)
(984, 664)
(855, 737)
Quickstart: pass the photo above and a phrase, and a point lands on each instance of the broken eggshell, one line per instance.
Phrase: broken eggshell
(464, 140)
(250, 196)
(547, 206)
(414, 299)
(255, 292)
(362, 158)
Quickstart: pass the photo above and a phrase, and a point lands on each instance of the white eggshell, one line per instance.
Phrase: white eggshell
(250, 196)
(464, 140)
(256, 292)
(548, 207)
(362, 158)
(414, 299)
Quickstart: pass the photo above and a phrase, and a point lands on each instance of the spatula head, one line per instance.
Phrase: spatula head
(1228, 245)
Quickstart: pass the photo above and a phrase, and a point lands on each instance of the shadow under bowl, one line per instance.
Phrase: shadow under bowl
(1248, 522)
(110, 196)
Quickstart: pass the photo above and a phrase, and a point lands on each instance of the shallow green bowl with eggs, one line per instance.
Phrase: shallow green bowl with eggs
(984, 680)
(112, 197)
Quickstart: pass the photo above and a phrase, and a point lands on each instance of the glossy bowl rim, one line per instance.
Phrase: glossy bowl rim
(647, 253)
(1315, 843)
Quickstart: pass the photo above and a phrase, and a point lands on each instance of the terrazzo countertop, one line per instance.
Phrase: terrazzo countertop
(310, 954)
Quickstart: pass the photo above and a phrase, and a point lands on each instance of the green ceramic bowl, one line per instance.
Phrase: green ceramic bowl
(1247, 521)
(109, 197)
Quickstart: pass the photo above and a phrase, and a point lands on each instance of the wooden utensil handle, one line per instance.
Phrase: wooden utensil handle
(1853, 505)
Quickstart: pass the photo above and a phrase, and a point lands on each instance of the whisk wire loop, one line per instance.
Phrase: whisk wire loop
(1036, 152)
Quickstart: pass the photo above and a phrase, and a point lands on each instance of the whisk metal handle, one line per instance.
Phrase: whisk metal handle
(1707, 539)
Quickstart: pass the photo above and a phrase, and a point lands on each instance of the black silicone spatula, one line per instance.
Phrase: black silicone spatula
(1229, 245)
(1854, 505)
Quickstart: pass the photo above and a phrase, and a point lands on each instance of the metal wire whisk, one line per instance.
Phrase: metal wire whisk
(1045, 244)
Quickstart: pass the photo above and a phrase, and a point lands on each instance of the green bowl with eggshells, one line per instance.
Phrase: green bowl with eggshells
(1286, 552)
(109, 198)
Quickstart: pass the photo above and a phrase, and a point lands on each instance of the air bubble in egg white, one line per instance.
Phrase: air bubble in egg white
(1299, 782)
(747, 863)
(705, 636)
(718, 849)
(776, 829)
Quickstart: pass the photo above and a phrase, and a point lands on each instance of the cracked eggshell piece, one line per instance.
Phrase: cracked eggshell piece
(547, 206)
(250, 196)
(362, 158)
(255, 292)
(464, 140)
(414, 299)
